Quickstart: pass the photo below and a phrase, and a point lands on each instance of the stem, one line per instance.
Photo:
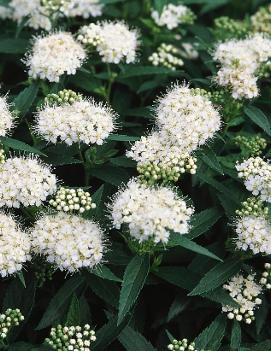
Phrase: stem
(110, 83)
(84, 165)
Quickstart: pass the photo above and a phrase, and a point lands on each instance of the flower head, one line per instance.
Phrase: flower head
(14, 246)
(114, 41)
(150, 213)
(9, 319)
(25, 181)
(6, 118)
(54, 55)
(82, 8)
(81, 121)
(68, 241)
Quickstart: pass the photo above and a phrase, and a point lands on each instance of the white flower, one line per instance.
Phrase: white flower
(68, 241)
(25, 181)
(5, 12)
(240, 61)
(245, 291)
(114, 41)
(14, 246)
(189, 118)
(256, 174)
(253, 233)
(81, 121)
(83, 8)
(6, 118)
(172, 16)
(54, 55)
(166, 55)
(150, 213)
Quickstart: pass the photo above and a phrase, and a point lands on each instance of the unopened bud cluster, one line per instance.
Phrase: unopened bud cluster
(69, 200)
(253, 206)
(264, 70)
(73, 338)
(43, 271)
(167, 55)
(261, 20)
(182, 345)
(53, 6)
(226, 27)
(152, 173)
(245, 291)
(65, 96)
(2, 156)
(9, 319)
(265, 280)
(253, 145)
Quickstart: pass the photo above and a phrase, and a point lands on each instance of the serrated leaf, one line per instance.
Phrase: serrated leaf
(73, 315)
(211, 337)
(133, 281)
(25, 99)
(218, 275)
(19, 145)
(105, 273)
(203, 221)
(235, 336)
(53, 311)
(181, 240)
(131, 340)
(258, 117)
(210, 159)
(178, 305)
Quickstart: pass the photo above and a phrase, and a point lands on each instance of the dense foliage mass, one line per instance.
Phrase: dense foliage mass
(135, 180)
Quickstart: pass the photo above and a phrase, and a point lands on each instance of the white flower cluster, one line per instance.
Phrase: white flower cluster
(150, 213)
(256, 174)
(114, 41)
(254, 234)
(14, 246)
(182, 345)
(167, 55)
(172, 16)
(81, 121)
(25, 181)
(71, 338)
(5, 12)
(69, 200)
(2, 156)
(68, 241)
(54, 55)
(170, 147)
(265, 280)
(6, 118)
(240, 61)
(9, 319)
(245, 291)
(82, 8)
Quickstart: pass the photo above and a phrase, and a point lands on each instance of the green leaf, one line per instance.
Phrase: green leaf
(235, 336)
(133, 281)
(178, 305)
(262, 346)
(25, 99)
(131, 340)
(73, 315)
(209, 157)
(123, 161)
(138, 71)
(180, 240)
(19, 145)
(112, 175)
(53, 311)
(259, 118)
(218, 275)
(201, 222)
(211, 337)
(105, 273)
(120, 137)
(21, 278)
(13, 46)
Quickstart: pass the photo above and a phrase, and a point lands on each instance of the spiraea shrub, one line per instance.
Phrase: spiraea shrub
(135, 175)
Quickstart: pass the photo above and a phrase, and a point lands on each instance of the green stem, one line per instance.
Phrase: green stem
(111, 79)
(84, 165)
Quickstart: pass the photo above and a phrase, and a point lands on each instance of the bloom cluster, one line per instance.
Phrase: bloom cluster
(5, 12)
(66, 338)
(226, 27)
(82, 8)
(65, 96)
(2, 156)
(69, 200)
(256, 174)
(73, 122)
(265, 280)
(166, 153)
(173, 15)
(54, 55)
(260, 21)
(167, 55)
(253, 206)
(68, 241)
(240, 62)
(114, 41)
(254, 234)
(14, 248)
(6, 120)
(150, 213)
(253, 145)
(25, 181)
(9, 319)
(245, 291)
(182, 345)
